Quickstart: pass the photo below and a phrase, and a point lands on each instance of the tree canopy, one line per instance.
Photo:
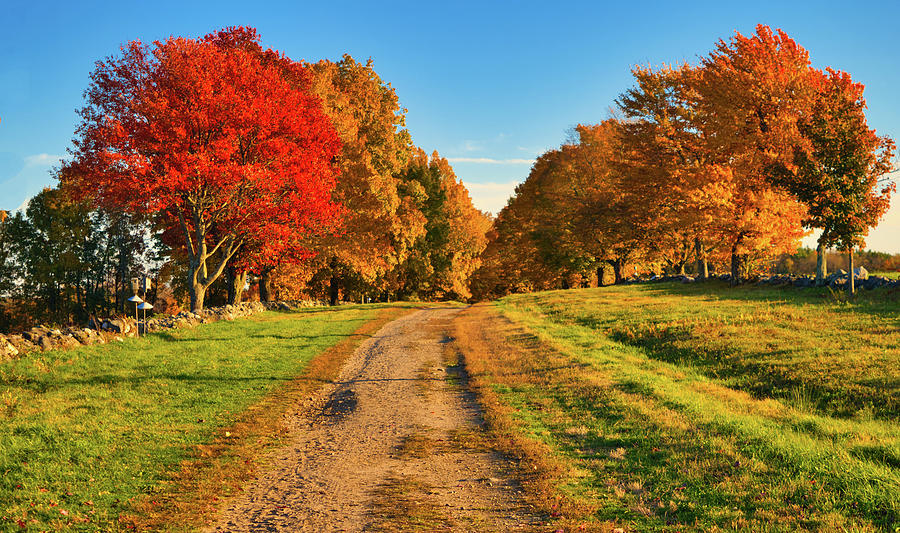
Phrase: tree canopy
(216, 143)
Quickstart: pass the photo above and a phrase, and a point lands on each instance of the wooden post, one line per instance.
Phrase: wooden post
(852, 285)
(821, 263)
(700, 253)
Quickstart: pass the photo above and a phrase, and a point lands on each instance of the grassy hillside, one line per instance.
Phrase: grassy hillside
(676, 407)
(156, 429)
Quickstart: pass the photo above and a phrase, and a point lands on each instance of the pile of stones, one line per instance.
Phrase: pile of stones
(837, 280)
(44, 338)
(661, 279)
(41, 339)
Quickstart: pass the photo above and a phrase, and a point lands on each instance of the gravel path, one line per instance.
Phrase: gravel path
(385, 437)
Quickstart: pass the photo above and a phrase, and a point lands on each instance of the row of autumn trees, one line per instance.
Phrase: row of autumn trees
(249, 166)
(724, 164)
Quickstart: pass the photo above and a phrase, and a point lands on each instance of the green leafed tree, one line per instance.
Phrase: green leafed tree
(443, 259)
(839, 173)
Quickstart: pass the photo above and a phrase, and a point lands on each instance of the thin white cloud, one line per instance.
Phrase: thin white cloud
(471, 146)
(42, 160)
(491, 196)
(535, 151)
(490, 161)
(33, 174)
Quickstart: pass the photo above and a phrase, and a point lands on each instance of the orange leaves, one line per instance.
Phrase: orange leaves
(378, 224)
(728, 159)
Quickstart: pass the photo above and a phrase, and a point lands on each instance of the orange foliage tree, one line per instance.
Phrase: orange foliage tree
(379, 224)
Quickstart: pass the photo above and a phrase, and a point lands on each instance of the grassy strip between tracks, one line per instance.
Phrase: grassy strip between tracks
(704, 408)
(152, 433)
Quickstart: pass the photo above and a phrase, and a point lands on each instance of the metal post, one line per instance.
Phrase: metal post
(137, 302)
(145, 306)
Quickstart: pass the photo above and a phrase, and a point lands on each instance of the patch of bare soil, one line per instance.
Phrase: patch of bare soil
(396, 444)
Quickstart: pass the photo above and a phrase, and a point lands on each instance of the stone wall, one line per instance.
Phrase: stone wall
(117, 329)
(837, 280)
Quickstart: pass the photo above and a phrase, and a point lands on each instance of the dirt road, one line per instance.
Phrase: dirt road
(396, 443)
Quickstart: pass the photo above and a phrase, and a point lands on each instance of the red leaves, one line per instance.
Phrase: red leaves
(214, 130)
(195, 118)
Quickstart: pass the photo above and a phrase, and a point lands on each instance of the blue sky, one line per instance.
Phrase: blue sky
(490, 85)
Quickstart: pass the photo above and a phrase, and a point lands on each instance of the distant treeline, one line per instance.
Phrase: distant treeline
(804, 261)
(61, 262)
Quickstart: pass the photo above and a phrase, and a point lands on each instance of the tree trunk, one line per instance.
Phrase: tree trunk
(200, 275)
(681, 271)
(197, 293)
(240, 283)
(702, 265)
(230, 274)
(736, 267)
(265, 289)
(737, 261)
(618, 265)
(600, 276)
(851, 286)
(821, 264)
(235, 281)
(333, 289)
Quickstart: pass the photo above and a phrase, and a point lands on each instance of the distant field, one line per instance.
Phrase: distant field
(128, 434)
(891, 275)
(673, 407)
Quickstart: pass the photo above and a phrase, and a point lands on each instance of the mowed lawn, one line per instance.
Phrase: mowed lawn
(702, 407)
(86, 434)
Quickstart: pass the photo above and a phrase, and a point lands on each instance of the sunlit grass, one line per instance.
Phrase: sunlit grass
(88, 433)
(704, 407)
(794, 345)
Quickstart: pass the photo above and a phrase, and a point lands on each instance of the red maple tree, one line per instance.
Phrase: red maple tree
(219, 142)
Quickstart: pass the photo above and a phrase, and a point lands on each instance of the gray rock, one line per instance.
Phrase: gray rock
(839, 274)
(860, 272)
(21, 343)
(7, 350)
(45, 344)
(117, 325)
(68, 341)
(875, 282)
(34, 334)
(106, 330)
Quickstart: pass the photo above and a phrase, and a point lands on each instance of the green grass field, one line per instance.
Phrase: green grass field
(701, 407)
(87, 434)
